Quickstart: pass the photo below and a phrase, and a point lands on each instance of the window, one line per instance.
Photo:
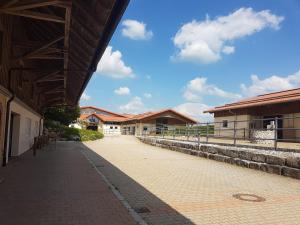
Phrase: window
(111, 127)
(145, 128)
(225, 123)
(116, 127)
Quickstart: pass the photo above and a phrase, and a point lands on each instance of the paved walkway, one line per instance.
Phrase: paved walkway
(168, 187)
(57, 187)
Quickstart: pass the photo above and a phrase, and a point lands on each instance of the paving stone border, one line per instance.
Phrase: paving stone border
(270, 161)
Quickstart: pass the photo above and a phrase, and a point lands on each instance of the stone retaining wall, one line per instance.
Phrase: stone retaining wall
(277, 162)
(259, 136)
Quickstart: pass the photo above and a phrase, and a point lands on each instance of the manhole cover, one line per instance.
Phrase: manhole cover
(142, 210)
(249, 197)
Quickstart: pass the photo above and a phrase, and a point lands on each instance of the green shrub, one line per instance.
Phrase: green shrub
(89, 135)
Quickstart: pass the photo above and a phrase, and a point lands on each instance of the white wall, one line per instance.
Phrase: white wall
(28, 127)
(111, 129)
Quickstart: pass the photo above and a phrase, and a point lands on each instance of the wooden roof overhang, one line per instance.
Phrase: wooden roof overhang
(60, 44)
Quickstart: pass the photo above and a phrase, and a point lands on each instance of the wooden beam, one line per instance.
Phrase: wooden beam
(9, 4)
(51, 74)
(46, 57)
(34, 15)
(66, 44)
(39, 49)
(35, 5)
(51, 80)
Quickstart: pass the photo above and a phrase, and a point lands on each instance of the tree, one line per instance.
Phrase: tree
(62, 114)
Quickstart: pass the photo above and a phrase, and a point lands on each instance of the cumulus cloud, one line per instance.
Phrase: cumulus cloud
(85, 97)
(122, 91)
(270, 84)
(136, 30)
(198, 87)
(135, 105)
(147, 95)
(205, 41)
(195, 110)
(112, 65)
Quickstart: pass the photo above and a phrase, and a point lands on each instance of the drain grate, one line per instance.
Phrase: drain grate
(249, 197)
(142, 210)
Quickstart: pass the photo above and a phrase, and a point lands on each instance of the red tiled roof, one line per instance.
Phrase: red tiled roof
(130, 117)
(260, 100)
(151, 114)
(100, 109)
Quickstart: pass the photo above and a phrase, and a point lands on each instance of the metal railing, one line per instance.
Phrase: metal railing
(265, 132)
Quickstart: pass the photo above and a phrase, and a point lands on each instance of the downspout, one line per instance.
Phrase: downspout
(7, 119)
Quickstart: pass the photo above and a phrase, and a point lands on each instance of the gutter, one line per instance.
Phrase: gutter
(7, 116)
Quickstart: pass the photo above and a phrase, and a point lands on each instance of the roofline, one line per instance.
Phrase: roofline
(114, 19)
(101, 109)
(257, 102)
(162, 111)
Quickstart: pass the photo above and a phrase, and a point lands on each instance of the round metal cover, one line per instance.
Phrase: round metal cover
(249, 197)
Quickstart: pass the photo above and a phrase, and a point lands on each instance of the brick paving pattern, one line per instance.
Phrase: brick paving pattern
(57, 187)
(183, 189)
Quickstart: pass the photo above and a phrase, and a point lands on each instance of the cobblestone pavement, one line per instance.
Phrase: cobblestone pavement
(57, 187)
(176, 188)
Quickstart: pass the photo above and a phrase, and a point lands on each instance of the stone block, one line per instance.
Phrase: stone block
(254, 165)
(258, 157)
(202, 154)
(230, 160)
(231, 153)
(290, 172)
(193, 152)
(241, 162)
(270, 168)
(271, 159)
(212, 149)
(293, 162)
(245, 155)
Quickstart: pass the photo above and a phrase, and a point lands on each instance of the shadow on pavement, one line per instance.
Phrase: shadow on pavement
(152, 209)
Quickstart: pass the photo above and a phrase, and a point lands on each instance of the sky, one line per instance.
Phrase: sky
(193, 55)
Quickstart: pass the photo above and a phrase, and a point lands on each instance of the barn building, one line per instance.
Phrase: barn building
(49, 51)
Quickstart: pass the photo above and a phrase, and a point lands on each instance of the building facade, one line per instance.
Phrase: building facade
(259, 116)
(128, 124)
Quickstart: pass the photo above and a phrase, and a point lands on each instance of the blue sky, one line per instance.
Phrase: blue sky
(191, 55)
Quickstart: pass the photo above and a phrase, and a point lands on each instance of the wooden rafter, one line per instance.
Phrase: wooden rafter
(47, 76)
(40, 49)
(66, 45)
(10, 6)
(34, 15)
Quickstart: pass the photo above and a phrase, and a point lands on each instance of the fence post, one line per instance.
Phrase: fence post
(188, 133)
(275, 133)
(207, 131)
(234, 132)
(198, 131)
(174, 134)
(163, 133)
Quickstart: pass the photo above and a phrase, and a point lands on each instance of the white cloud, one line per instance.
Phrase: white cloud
(205, 41)
(122, 91)
(228, 50)
(271, 84)
(198, 87)
(135, 105)
(136, 30)
(112, 65)
(85, 97)
(147, 95)
(195, 110)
